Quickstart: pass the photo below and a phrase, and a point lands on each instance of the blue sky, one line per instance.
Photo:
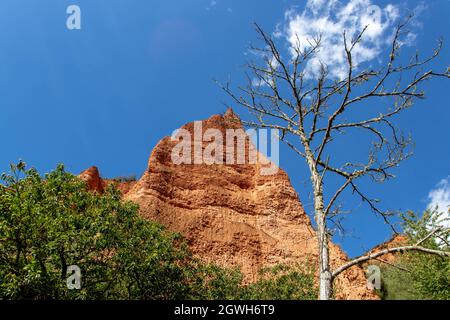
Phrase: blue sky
(106, 94)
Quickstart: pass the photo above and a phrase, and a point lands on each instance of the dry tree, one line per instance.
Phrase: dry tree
(311, 112)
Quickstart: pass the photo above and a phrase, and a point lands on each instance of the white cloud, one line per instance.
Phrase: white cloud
(330, 18)
(439, 197)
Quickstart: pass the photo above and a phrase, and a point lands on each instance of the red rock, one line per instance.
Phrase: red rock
(93, 180)
(95, 183)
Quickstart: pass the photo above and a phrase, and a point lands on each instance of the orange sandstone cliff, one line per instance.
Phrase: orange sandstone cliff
(231, 214)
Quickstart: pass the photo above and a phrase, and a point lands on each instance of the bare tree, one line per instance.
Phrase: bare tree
(311, 113)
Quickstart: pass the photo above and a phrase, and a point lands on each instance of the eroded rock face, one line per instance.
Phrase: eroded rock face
(96, 183)
(234, 216)
(93, 180)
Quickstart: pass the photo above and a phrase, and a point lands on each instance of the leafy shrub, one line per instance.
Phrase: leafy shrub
(277, 283)
(284, 283)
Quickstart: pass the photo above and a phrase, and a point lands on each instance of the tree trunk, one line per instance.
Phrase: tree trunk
(322, 236)
(324, 257)
(325, 278)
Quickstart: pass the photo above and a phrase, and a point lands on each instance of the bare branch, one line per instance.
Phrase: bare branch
(386, 251)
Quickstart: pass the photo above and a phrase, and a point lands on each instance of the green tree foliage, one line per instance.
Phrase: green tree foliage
(52, 222)
(216, 283)
(419, 275)
(48, 224)
(276, 283)
(284, 283)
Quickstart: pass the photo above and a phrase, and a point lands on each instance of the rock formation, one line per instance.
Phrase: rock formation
(96, 183)
(231, 214)
(93, 180)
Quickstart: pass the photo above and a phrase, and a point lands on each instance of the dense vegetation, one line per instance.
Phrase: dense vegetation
(50, 223)
(417, 275)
